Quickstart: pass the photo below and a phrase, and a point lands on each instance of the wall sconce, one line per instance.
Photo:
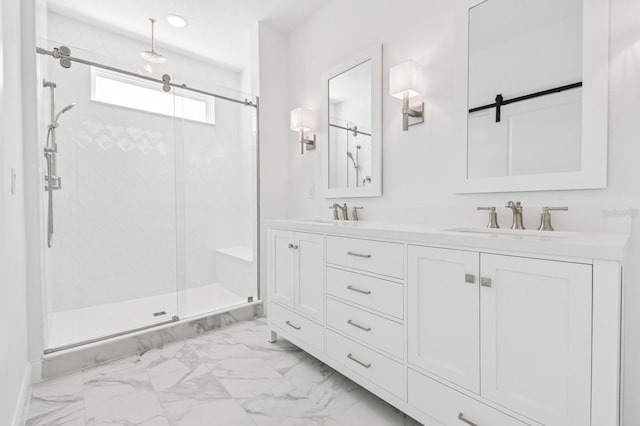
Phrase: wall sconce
(405, 82)
(301, 122)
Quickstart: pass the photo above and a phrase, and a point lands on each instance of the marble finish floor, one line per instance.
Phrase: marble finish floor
(230, 376)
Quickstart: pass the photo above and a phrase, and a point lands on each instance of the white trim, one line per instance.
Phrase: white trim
(595, 73)
(606, 343)
(20, 410)
(373, 189)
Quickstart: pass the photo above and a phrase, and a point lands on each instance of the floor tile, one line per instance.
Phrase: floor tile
(57, 402)
(230, 376)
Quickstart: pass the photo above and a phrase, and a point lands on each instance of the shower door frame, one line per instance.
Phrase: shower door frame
(63, 54)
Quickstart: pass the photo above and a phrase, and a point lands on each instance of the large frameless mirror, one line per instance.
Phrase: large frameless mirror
(353, 124)
(537, 95)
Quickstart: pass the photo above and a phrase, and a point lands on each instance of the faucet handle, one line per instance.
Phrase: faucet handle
(493, 217)
(335, 211)
(354, 214)
(548, 209)
(545, 218)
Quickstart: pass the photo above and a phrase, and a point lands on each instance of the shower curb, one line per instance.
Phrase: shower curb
(72, 361)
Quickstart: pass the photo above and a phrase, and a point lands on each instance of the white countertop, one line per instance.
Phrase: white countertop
(584, 245)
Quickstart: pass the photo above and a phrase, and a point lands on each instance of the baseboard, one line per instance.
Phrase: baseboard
(20, 410)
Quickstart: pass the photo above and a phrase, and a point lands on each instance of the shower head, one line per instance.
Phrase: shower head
(63, 110)
(350, 155)
(151, 55)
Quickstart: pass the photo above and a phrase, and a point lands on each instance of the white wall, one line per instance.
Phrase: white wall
(13, 313)
(271, 55)
(418, 185)
(124, 170)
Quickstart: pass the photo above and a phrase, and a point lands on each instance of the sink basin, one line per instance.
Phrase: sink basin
(514, 233)
(324, 221)
(316, 220)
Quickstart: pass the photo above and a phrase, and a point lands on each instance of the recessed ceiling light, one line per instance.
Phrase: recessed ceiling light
(176, 20)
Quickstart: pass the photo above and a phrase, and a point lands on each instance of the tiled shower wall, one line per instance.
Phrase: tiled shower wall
(146, 199)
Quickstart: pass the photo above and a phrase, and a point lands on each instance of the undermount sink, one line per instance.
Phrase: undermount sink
(513, 233)
(324, 221)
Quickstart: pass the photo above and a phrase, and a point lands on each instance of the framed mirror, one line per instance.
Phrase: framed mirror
(537, 96)
(352, 120)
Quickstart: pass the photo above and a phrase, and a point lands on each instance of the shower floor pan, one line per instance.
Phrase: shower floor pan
(87, 324)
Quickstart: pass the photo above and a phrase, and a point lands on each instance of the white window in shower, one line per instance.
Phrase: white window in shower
(136, 93)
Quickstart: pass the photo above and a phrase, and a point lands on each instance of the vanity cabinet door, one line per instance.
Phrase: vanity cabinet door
(443, 314)
(536, 337)
(309, 273)
(282, 267)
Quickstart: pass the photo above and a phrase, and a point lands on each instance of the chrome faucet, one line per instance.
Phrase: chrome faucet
(343, 208)
(516, 208)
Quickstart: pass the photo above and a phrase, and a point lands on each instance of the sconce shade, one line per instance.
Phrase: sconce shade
(405, 78)
(301, 120)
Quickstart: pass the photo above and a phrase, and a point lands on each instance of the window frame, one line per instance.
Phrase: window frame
(208, 101)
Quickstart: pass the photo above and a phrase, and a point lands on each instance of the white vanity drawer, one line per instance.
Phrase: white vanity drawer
(374, 330)
(372, 256)
(446, 405)
(297, 326)
(375, 367)
(374, 293)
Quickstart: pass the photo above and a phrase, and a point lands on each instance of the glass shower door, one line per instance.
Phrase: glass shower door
(217, 199)
(113, 256)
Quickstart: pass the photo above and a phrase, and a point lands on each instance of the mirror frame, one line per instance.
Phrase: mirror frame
(374, 189)
(595, 107)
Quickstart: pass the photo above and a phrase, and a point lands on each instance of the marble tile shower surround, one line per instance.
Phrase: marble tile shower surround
(116, 221)
(231, 376)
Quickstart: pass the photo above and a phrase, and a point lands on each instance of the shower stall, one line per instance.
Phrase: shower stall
(150, 198)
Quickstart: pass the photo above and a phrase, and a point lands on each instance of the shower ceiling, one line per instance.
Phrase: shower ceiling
(218, 30)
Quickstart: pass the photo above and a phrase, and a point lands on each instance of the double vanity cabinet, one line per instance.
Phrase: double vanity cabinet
(458, 326)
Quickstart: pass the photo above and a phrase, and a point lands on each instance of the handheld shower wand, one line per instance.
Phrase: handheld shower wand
(356, 166)
(62, 111)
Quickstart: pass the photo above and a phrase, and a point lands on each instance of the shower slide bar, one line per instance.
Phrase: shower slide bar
(353, 129)
(64, 54)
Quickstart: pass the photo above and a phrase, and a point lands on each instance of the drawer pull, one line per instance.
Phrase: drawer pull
(469, 278)
(361, 327)
(293, 326)
(366, 256)
(485, 282)
(358, 290)
(358, 361)
(462, 419)
(293, 246)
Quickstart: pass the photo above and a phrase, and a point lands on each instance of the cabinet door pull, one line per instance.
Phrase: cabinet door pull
(485, 282)
(293, 326)
(469, 278)
(358, 290)
(462, 419)
(361, 327)
(293, 246)
(351, 253)
(358, 361)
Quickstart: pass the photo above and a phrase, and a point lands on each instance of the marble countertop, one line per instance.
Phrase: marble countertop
(584, 245)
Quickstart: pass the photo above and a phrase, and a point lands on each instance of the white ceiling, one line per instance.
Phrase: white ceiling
(217, 30)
